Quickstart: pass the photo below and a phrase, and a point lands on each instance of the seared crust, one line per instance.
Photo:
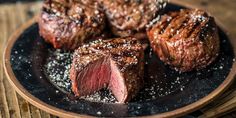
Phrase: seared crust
(127, 17)
(69, 23)
(186, 40)
(127, 53)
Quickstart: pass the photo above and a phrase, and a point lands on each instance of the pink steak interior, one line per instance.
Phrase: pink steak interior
(99, 74)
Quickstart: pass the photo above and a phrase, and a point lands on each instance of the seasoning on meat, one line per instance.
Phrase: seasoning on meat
(186, 40)
(68, 24)
(116, 63)
(127, 17)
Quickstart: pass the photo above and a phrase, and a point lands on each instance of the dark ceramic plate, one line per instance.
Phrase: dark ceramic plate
(166, 92)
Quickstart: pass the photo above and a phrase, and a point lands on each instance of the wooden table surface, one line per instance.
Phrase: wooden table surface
(14, 15)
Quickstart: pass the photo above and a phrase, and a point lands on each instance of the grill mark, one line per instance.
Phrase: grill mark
(184, 21)
(127, 48)
(166, 23)
(193, 27)
(129, 40)
(128, 61)
(124, 54)
(185, 29)
(158, 28)
(122, 51)
(120, 45)
(188, 28)
(198, 29)
(170, 24)
(176, 25)
(113, 47)
(118, 48)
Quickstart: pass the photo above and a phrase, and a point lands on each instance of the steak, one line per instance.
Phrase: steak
(68, 24)
(127, 17)
(116, 64)
(186, 40)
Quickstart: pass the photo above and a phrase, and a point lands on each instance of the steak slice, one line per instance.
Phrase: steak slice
(186, 40)
(116, 64)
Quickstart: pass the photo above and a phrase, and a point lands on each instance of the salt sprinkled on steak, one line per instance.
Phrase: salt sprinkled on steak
(186, 40)
(116, 64)
(57, 68)
(68, 24)
(127, 17)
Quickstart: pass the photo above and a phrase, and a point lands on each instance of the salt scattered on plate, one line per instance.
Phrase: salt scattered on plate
(57, 68)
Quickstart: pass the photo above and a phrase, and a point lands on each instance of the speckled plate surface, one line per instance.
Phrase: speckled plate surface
(166, 93)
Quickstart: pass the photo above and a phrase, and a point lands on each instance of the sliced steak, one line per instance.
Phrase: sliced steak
(127, 17)
(187, 40)
(69, 23)
(117, 64)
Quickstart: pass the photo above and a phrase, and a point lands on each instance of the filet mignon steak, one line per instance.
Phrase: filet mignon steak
(68, 24)
(186, 40)
(127, 17)
(115, 63)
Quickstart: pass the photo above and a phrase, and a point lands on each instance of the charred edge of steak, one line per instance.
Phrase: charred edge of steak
(127, 17)
(186, 40)
(68, 24)
(116, 64)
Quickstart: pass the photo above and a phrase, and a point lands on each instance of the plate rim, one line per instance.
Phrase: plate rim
(63, 113)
